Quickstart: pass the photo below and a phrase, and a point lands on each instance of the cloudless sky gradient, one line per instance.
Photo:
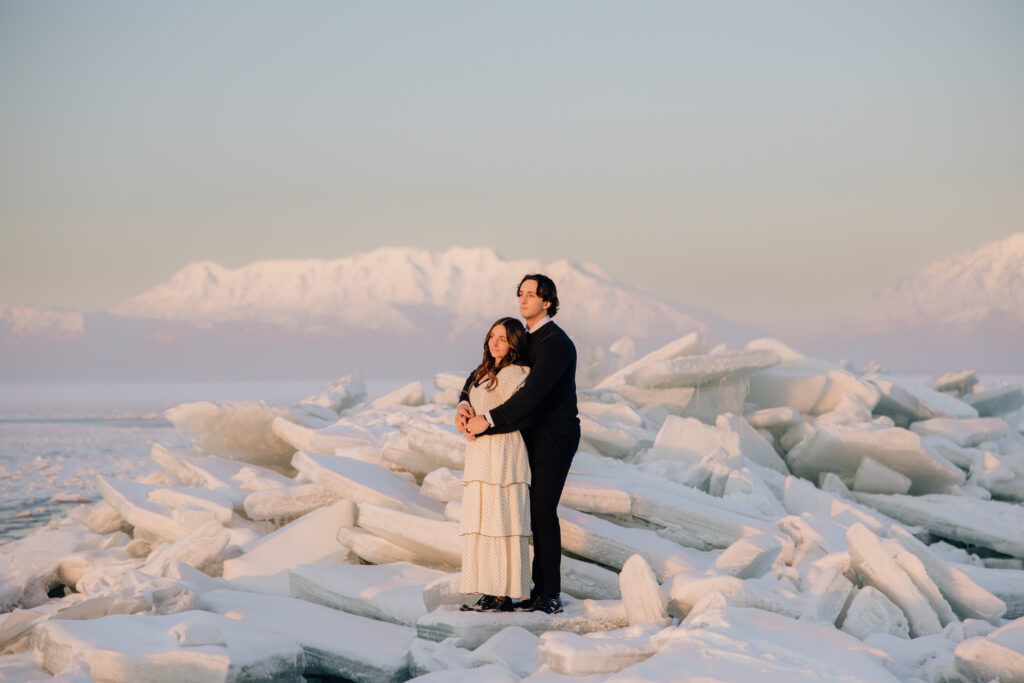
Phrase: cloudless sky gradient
(759, 159)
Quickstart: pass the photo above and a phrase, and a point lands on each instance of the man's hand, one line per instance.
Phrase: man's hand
(477, 425)
(464, 412)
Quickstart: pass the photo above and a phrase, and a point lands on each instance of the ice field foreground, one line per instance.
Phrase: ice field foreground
(732, 515)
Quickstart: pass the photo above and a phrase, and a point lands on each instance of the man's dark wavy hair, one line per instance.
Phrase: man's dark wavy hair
(545, 290)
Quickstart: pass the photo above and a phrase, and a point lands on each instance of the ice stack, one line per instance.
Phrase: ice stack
(737, 515)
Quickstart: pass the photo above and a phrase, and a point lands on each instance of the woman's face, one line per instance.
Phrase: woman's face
(497, 342)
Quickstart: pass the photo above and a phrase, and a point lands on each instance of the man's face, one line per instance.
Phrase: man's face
(531, 306)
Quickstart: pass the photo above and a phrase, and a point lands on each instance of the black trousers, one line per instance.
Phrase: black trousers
(550, 450)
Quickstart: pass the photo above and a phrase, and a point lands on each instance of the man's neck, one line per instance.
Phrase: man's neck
(532, 325)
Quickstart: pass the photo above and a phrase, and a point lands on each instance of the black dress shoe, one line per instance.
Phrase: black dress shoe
(524, 605)
(484, 604)
(549, 604)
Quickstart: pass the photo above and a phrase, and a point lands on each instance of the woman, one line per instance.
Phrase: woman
(495, 482)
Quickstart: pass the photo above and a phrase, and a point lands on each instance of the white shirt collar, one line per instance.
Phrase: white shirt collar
(546, 319)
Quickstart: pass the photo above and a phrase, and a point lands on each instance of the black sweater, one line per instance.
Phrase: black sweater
(547, 400)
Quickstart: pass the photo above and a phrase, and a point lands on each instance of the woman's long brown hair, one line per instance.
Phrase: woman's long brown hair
(515, 334)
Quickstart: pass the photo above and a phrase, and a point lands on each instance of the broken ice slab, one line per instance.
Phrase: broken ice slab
(470, 629)
(955, 382)
(998, 400)
(775, 419)
(391, 592)
(611, 545)
(240, 430)
(685, 589)
(600, 495)
(197, 645)
(872, 612)
(431, 538)
(342, 434)
(228, 478)
(443, 485)
(749, 557)
(200, 548)
(736, 644)
(335, 643)
(128, 591)
(804, 498)
(1005, 584)
(203, 501)
(611, 440)
(959, 456)
(689, 440)
(965, 433)
(968, 599)
(987, 523)
(840, 448)
(673, 400)
(342, 393)
(264, 567)
(814, 537)
(409, 395)
(288, 503)
(1003, 476)
(587, 580)
(72, 568)
(698, 371)
(811, 390)
(874, 477)
(898, 403)
(376, 550)
(30, 564)
(573, 654)
(365, 482)
(691, 344)
(439, 444)
(941, 403)
(131, 502)
(694, 518)
(641, 594)
(999, 656)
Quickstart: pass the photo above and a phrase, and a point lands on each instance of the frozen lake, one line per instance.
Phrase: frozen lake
(56, 437)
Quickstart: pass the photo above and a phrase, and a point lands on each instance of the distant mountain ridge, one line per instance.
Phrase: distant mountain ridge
(396, 311)
(966, 310)
(392, 311)
(391, 289)
(961, 289)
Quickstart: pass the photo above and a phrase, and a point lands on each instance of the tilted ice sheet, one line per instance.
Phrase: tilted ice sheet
(366, 482)
(335, 643)
(240, 430)
(197, 646)
(840, 448)
(470, 629)
(987, 523)
(265, 566)
(391, 592)
(737, 644)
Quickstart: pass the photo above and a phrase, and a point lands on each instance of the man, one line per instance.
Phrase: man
(544, 411)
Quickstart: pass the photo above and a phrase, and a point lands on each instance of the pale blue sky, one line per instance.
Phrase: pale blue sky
(759, 159)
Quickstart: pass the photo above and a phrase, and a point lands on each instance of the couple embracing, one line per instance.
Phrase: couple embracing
(518, 413)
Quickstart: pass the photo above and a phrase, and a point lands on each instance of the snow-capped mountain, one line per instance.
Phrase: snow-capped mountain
(961, 289)
(31, 321)
(392, 311)
(964, 311)
(404, 291)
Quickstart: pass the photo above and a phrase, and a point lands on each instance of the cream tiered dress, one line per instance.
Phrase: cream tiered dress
(495, 524)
